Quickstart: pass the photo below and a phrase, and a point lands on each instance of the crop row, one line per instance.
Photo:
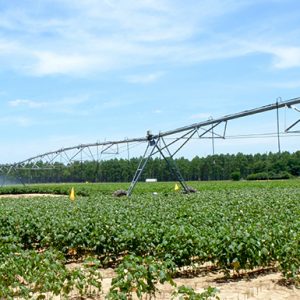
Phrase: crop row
(142, 188)
(232, 228)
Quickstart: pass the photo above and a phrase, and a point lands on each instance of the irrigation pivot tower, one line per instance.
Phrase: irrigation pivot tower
(187, 132)
(156, 144)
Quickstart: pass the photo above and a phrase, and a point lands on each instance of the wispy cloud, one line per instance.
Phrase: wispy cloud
(19, 121)
(144, 78)
(7, 46)
(286, 57)
(113, 104)
(27, 103)
(283, 56)
(64, 105)
(91, 36)
(82, 37)
(53, 63)
(78, 106)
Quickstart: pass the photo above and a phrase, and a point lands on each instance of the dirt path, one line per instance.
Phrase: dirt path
(262, 287)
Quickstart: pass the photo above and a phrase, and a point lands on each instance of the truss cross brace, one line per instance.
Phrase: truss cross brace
(153, 147)
(288, 130)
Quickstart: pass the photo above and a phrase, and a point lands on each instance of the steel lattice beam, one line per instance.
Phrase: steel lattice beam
(109, 144)
(187, 132)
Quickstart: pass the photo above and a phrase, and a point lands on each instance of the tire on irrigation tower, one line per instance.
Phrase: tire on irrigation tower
(119, 193)
(191, 190)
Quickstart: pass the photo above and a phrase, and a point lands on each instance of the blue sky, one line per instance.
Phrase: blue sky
(75, 71)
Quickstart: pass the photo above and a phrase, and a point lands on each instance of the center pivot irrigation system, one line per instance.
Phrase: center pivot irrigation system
(167, 144)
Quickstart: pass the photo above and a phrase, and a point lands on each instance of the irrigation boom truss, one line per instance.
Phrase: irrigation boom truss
(156, 143)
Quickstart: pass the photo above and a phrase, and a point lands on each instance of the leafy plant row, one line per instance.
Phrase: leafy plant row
(33, 274)
(236, 229)
(165, 188)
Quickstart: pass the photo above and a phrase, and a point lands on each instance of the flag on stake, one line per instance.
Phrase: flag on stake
(72, 194)
(176, 188)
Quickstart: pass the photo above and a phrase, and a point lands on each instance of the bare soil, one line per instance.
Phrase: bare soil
(260, 284)
(266, 286)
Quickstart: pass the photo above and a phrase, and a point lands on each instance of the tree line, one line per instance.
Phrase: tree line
(213, 167)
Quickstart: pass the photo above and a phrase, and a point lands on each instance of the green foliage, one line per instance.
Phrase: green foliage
(271, 176)
(234, 225)
(236, 175)
(29, 274)
(281, 175)
(212, 167)
(188, 293)
(258, 176)
(138, 275)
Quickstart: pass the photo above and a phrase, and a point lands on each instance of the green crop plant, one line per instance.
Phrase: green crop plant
(234, 226)
(139, 275)
(188, 293)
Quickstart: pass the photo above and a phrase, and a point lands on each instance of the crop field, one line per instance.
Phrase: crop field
(147, 238)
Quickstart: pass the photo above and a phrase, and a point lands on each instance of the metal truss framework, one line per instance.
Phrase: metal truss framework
(160, 143)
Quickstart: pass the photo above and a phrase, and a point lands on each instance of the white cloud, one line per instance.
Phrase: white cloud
(7, 47)
(27, 103)
(286, 57)
(89, 36)
(144, 78)
(53, 63)
(81, 37)
(65, 105)
(19, 121)
(111, 104)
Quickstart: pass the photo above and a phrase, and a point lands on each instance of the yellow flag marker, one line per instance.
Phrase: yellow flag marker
(176, 188)
(72, 194)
